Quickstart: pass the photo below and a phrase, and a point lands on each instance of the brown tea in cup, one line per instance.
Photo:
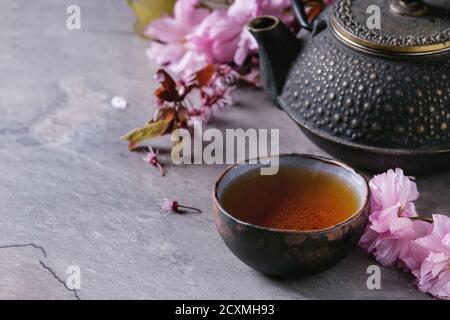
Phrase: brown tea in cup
(293, 199)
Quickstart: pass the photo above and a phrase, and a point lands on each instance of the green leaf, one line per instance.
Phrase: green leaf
(148, 10)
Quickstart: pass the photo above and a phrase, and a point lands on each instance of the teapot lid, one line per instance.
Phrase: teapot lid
(394, 27)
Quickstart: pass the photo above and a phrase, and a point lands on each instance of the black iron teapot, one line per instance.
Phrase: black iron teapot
(376, 98)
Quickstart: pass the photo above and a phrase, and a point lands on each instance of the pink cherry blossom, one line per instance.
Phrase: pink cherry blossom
(396, 237)
(168, 206)
(223, 37)
(200, 113)
(195, 37)
(216, 37)
(152, 158)
(172, 48)
(388, 236)
(243, 11)
(430, 258)
(434, 275)
(208, 100)
(390, 229)
(172, 206)
(391, 188)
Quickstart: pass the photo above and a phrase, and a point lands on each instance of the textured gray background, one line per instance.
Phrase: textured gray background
(69, 187)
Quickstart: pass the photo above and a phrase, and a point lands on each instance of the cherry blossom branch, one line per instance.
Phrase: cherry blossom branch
(426, 219)
(190, 208)
(173, 206)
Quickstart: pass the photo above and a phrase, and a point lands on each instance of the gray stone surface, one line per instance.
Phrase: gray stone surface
(70, 187)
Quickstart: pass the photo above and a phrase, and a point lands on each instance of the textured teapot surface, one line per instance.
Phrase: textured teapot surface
(369, 100)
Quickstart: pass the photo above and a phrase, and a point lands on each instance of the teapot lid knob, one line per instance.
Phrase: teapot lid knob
(412, 8)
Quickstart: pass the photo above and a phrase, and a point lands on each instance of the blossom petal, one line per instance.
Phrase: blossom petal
(165, 29)
(164, 54)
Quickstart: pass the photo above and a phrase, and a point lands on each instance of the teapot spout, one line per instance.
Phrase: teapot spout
(278, 48)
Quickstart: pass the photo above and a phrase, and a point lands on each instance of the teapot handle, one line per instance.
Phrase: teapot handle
(300, 13)
(412, 8)
(315, 27)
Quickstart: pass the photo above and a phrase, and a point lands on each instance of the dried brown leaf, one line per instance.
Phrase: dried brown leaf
(166, 114)
(315, 11)
(151, 130)
(204, 76)
(168, 90)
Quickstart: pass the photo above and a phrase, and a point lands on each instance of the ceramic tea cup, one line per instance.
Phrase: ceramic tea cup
(291, 253)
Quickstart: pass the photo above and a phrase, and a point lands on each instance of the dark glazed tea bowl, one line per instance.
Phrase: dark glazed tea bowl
(291, 253)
